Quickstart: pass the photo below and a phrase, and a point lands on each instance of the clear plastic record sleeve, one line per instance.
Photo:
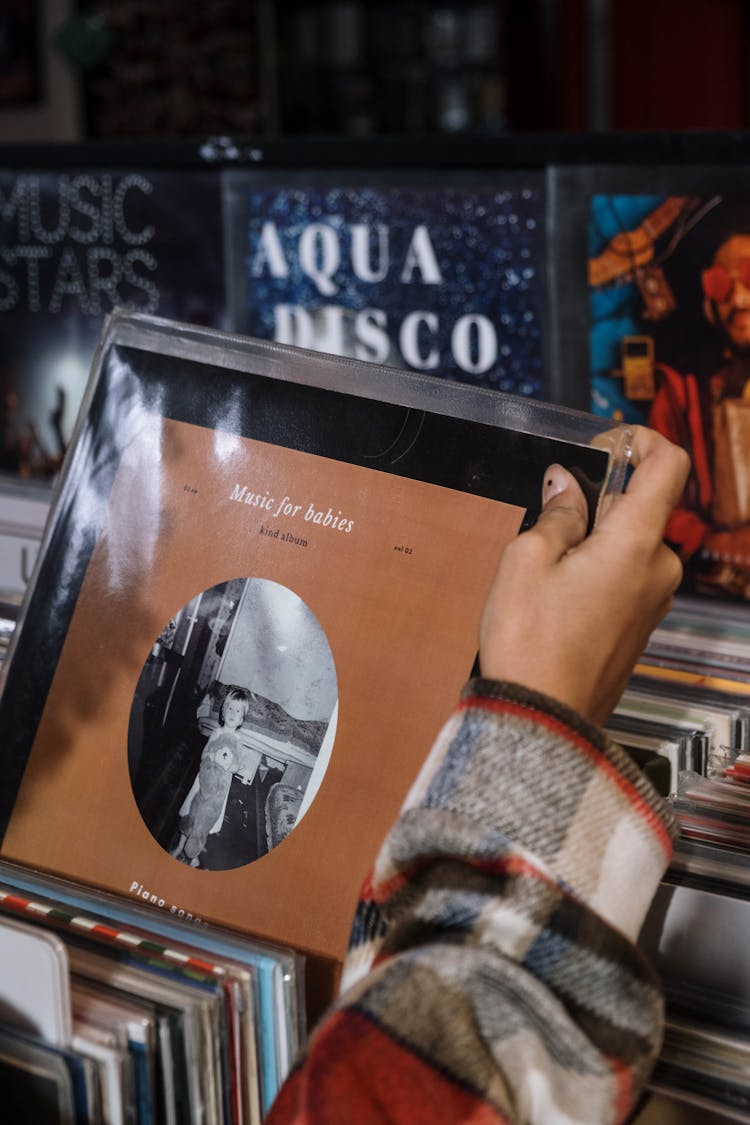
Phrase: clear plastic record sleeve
(257, 596)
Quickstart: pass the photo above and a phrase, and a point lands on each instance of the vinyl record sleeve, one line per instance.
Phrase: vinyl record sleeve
(279, 1013)
(113, 1065)
(100, 236)
(217, 1070)
(136, 1027)
(654, 757)
(34, 982)
(705, 634)
(235, 513)
(198, 1015)
(709, 863)
(653, 260)
(708, 1064)
(29, 1102)
(686, 720)
(36, 1081)
(240, 1081)
(395, 267)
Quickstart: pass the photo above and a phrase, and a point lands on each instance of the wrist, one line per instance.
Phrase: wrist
(511, 691)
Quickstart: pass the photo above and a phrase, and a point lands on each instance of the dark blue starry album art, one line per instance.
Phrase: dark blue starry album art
(442, 277)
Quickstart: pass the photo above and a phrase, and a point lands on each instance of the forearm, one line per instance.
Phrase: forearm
(492, 959)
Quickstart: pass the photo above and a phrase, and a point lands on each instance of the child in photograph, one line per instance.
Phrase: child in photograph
(203, 809)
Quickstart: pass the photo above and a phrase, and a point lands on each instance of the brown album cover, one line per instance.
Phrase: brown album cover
(256, 603)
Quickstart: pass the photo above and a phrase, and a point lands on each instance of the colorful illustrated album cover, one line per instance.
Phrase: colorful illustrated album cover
(256, 602)
(439, 273)
(668, 307)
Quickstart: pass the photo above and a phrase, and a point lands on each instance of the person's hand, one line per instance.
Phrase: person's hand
(569, 615)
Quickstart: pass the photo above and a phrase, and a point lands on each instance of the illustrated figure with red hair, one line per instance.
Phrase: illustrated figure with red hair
(710, 418)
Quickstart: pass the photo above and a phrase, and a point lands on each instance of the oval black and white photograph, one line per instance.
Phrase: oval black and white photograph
(232, 723)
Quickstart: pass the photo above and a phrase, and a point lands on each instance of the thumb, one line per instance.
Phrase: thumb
(563, 520)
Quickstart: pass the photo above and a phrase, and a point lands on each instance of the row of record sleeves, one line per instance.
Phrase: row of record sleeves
(685, 718)
(116, 1014)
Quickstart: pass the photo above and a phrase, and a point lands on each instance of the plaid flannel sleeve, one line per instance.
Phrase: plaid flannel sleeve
(492, 974)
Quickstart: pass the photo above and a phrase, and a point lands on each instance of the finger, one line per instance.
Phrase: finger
(673, 567)
(660, 472)
(563, 520)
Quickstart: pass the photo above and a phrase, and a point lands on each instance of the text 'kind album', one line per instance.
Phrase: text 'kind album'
(256, 601)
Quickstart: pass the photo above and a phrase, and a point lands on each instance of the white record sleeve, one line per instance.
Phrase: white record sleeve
(34, 982)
